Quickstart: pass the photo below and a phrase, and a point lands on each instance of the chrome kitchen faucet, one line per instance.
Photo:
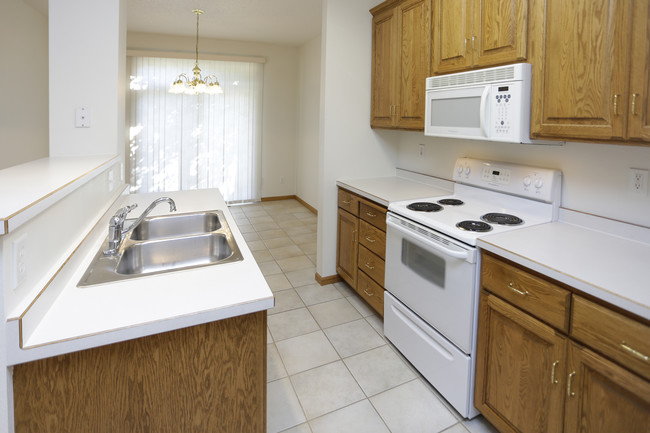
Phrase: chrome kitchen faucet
(116, 232)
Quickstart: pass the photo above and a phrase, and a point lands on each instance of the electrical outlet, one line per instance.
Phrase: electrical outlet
(19, 260)
(421, 149)
(639, 181)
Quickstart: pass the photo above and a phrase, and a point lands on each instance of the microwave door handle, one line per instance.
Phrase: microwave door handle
(464, 255)
(483, 114)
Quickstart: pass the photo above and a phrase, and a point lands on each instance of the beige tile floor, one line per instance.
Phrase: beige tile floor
(330, 369)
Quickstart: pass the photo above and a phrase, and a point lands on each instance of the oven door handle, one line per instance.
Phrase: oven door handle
(464, 255)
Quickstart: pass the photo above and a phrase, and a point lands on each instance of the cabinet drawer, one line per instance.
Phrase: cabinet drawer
(622, 338)
(374, 214)
(371, 265)
(372, 238)
(372, 292)
(543, 299)
(349, 202)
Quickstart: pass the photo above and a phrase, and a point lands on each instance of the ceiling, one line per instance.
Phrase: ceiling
(287, 22)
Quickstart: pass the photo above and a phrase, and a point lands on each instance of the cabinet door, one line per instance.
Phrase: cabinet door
(414, 63)
(581, 69)
(520, 370)
(384, 35)
(347, 247)
(639, 118)
(500, 30)
(452, 35)
(603, 397)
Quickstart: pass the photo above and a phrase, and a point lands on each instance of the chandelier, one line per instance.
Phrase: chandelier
(198, 84)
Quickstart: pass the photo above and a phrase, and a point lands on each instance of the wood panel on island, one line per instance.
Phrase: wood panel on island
(361, 246)
(551, 359)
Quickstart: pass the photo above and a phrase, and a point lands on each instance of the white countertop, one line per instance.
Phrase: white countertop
(405, 186)
(611, 264)
(67, 318)
(52, 177)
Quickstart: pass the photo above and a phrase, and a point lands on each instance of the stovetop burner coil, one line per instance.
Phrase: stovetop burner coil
(451, 202)
(502, 219)
(474, 226)
(424, 206)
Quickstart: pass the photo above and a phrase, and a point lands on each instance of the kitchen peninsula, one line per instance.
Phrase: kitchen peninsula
(178, 351)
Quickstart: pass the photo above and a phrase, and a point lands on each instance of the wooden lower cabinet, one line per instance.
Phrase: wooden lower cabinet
(603, 397)
(206, 378)
(361, 246)
(347, 247)
(536, 377)
(518, 370)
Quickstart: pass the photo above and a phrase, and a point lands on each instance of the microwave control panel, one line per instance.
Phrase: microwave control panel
(506, 103)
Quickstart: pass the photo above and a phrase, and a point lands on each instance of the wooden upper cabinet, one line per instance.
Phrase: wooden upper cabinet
(478, 33)
(452, 34)
(581, 69)
(414, 63)
(501, 31)
(401, 62)
(639, 118)
(384, 33)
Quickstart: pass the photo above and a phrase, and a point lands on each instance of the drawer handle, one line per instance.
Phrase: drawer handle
(369, 239)
(346, 202)
(368, 293)
(634, 95)
(371, 215)
(514, 289)
(616, 105)
(568, 387)
(635, 352)
(367, 265)
(553, 379)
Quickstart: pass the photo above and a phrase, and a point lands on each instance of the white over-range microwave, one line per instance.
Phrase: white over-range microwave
(486, 104)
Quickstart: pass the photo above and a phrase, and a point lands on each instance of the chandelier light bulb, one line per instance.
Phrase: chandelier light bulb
(182, 83)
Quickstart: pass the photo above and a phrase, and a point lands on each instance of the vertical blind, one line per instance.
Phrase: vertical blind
(181, 142)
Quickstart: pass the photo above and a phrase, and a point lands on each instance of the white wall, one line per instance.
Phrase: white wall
(595, 176)
(23, 83)
(87, 69)
(349, 148)
(309, 60)
(280, 99)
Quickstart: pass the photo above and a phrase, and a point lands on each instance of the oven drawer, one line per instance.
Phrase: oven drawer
(440, 362)
(371, 264)
(537, 296)
(348, 202)
(375, 215)
(615, 335)
(372, 292)
(372, 238)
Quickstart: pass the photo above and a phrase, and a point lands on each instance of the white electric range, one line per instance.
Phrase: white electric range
(432, 265)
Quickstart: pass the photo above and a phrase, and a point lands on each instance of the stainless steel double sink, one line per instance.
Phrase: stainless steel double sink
(165, 244)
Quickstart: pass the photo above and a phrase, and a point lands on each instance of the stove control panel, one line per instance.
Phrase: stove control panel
(537, 183)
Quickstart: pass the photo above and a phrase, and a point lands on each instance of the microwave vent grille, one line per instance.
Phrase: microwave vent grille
(475, 77)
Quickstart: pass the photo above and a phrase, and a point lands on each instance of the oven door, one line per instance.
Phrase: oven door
(434, 276)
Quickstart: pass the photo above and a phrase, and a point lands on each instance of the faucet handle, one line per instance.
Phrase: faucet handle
(123, 212)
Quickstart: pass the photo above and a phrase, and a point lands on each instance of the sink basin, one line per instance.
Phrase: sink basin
(176, 253)
(169, 226)
(165, 244)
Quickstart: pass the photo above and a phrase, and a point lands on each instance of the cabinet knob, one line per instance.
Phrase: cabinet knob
(553, 379)
(568, 386)
(512, 287)
(634, 95)
(636, 353)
